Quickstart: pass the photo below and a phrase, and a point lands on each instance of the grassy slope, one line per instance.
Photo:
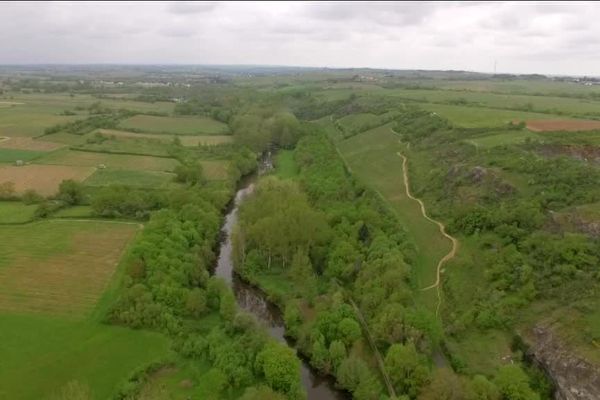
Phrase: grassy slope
(373, 158)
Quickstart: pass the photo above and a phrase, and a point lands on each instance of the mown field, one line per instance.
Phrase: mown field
(45, 265)
(174, 125)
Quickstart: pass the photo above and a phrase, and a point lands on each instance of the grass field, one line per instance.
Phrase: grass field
(59, 267)
(144, 179)
(66, 138)
(186, 140)
(25, 143)
(11, 155)
(41, 354)
(14, 212)
(93, 159)
(285, 166)
(504, 138)
(174, 125)
(372, 157)
(44, 179)
(551, 104)
(478, 117)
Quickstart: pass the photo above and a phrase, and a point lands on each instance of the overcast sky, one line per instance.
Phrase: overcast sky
(550, 38)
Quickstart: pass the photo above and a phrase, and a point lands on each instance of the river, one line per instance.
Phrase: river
(253, 301)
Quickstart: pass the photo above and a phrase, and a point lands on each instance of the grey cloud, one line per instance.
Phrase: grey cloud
(190, 7)
(525, 37)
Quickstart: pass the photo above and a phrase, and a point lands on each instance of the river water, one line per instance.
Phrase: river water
(253, 301)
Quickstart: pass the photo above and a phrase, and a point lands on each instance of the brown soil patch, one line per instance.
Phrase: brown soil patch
(26, 143)
(579, 152)
(66, 282)
(562, 125)
(44, 179)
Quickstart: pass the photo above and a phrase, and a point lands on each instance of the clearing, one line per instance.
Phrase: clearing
(44, 179)
(59, 267)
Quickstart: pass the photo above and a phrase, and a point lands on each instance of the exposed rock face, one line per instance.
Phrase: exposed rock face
(574, 377)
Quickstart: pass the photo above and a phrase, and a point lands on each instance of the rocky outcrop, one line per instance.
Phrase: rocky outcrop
(573, 377)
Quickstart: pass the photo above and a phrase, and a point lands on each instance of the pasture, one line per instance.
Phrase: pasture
(502, 139)
(25, 143)
(59, 267)
(41, 354)
(14, 212)
(143, 179)
(12, 155)
(372, 157)
(44, 179)
(117, 161)
(174, 125)
(186, 140)
(480, 117)
(546, 104)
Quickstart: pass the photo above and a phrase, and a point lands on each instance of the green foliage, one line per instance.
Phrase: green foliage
(122, 201)
(513, 384)
(71, 192)
(281, 368)
(406, 368)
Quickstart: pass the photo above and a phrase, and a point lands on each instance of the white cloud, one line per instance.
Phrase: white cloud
(523, 37)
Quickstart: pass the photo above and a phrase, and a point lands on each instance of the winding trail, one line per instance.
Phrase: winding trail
(442, 228)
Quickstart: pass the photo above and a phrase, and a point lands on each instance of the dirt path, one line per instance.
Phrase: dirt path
(442, 228)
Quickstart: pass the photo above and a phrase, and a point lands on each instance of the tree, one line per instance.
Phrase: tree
(190, 173)
(292, 318)
(261, 393)
(349, 331)
(351, 372)
(228, 306)
(482, 389)
(71, 192)
(407, 368)
(445, 385)
(513, 383)
(30, 196)
(337, 353)
(196, 302)
(280, 367)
